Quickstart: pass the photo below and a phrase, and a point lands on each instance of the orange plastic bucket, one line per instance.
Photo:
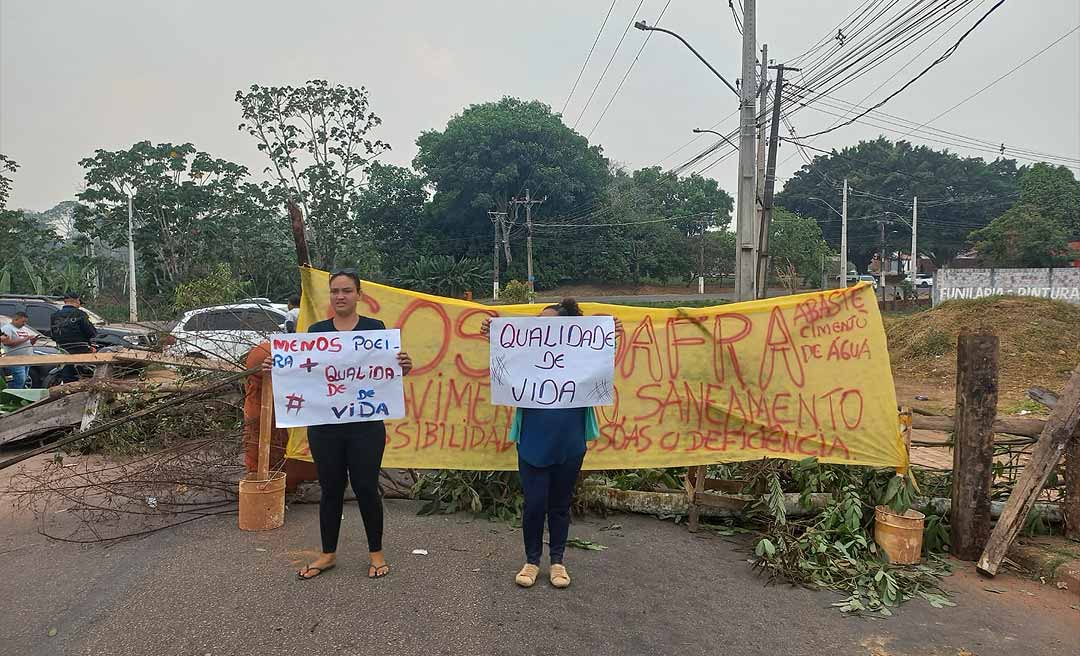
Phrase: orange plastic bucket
(899, 536)
(262, 502)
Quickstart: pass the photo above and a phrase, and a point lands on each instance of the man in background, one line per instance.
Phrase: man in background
(18, 340)
(72, 331)
(293, 315)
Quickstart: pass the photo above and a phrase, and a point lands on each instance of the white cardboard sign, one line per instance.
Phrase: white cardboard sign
(336, 378)
(552, 362)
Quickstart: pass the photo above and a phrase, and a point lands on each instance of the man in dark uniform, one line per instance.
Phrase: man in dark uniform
(72, 331)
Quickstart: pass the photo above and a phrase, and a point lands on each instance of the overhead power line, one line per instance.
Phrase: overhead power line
(611, 59)
(948, 53)
(588, 56)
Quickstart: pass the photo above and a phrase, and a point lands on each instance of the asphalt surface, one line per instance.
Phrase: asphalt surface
(208, 588)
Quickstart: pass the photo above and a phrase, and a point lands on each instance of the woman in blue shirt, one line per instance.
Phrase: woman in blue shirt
(551, 446)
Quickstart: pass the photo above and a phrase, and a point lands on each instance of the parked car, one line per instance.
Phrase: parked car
(924, 281)
(870, 279)
(40, 309)
(225, 331)
(40, 375)
(852, 278)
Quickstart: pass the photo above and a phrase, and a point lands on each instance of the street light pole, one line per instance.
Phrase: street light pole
(133, 307)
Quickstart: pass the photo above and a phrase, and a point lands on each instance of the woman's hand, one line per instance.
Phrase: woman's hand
(268, 364)
(405, 361)
(618, 325)
(485, 327)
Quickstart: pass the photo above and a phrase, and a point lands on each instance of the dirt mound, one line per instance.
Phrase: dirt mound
(1039, 342)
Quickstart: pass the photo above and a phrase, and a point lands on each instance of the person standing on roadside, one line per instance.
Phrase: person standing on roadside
(293, 315)
(17, 340)
(72, 331)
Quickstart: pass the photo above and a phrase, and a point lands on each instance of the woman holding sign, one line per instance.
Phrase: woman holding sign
(351, 451)
(551, 446)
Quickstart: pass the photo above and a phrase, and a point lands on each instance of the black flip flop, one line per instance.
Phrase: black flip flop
(377, 568)
(308, 568)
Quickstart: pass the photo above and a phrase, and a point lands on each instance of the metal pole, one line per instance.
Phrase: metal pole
(133, 307)
(496, 220)
(529, 226)
(881, 260)
(763, 98)
(914, 238)
(745, 266)
(762, 264)
(843, 240)
(701, 261)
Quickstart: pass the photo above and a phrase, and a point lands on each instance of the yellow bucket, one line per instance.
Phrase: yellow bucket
(262, 502)
(899, 536)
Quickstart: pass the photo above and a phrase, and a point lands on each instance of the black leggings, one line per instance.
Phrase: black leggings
(352, 451)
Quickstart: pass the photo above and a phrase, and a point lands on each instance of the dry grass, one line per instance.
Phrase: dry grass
(1039, 342)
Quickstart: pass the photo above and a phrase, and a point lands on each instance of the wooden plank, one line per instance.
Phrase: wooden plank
(93, 402)
(973, 448)
(1060, 429)
(211, 364)
(1025, 426)
(266, 427)
(43, 417)
(1072, 489)
(58, 358)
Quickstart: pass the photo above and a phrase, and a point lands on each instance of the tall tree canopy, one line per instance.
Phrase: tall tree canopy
(492, 152)
(7, 165)
(318, 140)
(955, 194)
(1022, 237)
(1055, 192)
(191, 211)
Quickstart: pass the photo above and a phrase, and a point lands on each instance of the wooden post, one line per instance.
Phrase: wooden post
(266, 428)
(973, 448)
(696, 488)
(296, 219)
(93, 402)
(1061, 429)
(1072, 489)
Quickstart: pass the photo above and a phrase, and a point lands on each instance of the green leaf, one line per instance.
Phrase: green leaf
(585, 544)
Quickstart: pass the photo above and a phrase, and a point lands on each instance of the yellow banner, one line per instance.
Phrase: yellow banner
(790, 377)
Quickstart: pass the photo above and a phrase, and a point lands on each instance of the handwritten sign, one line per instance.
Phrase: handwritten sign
(336, 378)
(553, 362)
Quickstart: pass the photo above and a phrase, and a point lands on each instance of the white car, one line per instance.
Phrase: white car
(924, 280)
(225, 331)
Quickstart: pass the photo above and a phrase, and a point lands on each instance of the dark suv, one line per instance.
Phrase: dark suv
(41, 308)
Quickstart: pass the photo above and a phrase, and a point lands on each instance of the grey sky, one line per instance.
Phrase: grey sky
(76, 76)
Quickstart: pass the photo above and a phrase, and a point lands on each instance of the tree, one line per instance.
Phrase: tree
(317, 138)
(492, 152)
(1022, 237)
(191, 212)
(954, 194)
(796, 243)
(9, 165)
(390, 210)
(1054, 192)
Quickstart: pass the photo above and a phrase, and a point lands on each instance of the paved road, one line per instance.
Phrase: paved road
(208, 588)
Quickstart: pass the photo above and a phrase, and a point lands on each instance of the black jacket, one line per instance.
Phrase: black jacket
(71, 327)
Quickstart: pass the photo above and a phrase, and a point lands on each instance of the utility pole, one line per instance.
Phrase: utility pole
(497, 219)
(701, 261)
(528, 202)
(745, 267)
(761, 266)
(881, 259)
(914, 242)
(843, 240)
(763, 99)
(133, 304)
